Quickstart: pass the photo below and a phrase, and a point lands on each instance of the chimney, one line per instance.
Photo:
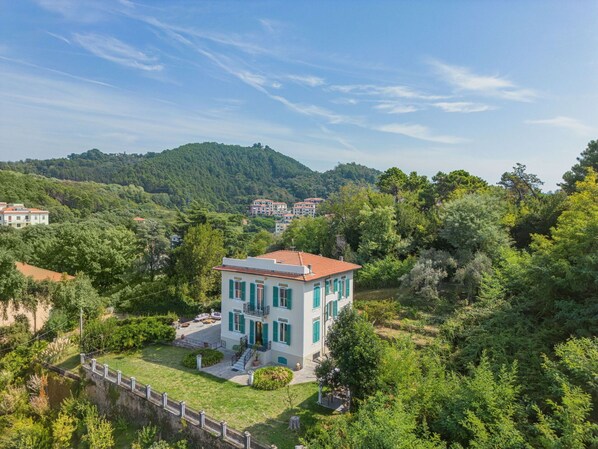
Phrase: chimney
(309, 269)
(341, 258)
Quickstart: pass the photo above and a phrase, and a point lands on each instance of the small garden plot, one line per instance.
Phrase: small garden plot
(272, 378)
(209, 357)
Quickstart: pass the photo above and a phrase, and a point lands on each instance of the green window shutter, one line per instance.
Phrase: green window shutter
(289, 334)
(315, 331)
(327, 287)
(230, 321)
(326, 312)
(251, 332)
(289, 299)
(275, 297)
(275, 331)
(334, 308)
(318, 330)
(231, 289)
(242, 323)
(265, 334)
(335, 285)
(342, 288)
(252, 296)
(316, 297)
(348, 287)
(243, 284)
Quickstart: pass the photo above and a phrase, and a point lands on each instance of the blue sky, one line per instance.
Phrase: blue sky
(424, 86)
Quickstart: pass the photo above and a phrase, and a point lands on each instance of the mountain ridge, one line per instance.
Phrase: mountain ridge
(225, 176)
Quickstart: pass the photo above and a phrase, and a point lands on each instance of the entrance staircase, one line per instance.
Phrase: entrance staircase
(240, 364)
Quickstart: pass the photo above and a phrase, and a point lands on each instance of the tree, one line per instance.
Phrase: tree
(379, 237)
(473, 223)
(356, 351)
(202, 249)
(308, 234)
(12, 281)
(587, 159)
(72, 296)
(456, 184)
(520, 184)
(154, 246)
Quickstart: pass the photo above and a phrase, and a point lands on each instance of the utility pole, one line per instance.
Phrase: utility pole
(81, 327)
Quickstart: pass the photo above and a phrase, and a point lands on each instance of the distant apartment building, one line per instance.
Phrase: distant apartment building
(283, 223)
(304, 209)
(267, 208)
(16, 215)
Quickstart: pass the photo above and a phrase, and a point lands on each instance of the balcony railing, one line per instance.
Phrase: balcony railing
(266, 347)
(256, 311)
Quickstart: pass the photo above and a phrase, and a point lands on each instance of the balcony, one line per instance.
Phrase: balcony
(255, 311)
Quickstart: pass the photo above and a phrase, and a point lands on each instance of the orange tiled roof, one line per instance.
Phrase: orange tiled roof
(320, 266)
(40, 274)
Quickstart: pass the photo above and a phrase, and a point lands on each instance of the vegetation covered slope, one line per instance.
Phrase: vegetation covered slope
(69, 200)
(227, 177)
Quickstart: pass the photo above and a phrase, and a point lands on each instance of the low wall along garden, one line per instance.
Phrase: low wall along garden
(112, 391)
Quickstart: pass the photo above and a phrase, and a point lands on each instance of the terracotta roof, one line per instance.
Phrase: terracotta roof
(14, 210)
(320, 266)
(138, 219)
(40, 274)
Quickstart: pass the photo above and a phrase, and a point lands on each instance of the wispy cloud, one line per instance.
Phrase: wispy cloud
(492, 85)
(114, 50)
(463, 107)
(271, 26)
(384, 91)
(76, 10)
(420, 132)
(566, 123)
(59, 37)
(396, 108)
(307, 80)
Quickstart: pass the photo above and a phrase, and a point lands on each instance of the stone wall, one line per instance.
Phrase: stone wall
(117, 394)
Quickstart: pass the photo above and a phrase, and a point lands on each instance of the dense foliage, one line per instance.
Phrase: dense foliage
(123, 335)
(228, 177)
(272, 377)
(209, 357)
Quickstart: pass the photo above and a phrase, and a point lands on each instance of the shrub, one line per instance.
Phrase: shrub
(209, 357)
(272, 377)
(383, 273)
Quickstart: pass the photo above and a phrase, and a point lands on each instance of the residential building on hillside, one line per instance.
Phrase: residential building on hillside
(267, 208)
(283, 223)
(304, 209)
(283, 303)
(314, 200)
(38, 315)
(16, 215)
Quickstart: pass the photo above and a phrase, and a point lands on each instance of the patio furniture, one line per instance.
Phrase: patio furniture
(185, 324)
(216, 315)
(201, 317)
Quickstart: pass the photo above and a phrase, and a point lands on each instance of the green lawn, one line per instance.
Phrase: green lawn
(264, 414)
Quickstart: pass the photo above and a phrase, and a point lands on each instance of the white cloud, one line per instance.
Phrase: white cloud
(464, 79)
(384, 91)
(59, 37)
(420, 132)
(396, 108)
(566, 123)
(463, 106)
(307, 80)
(114, 50)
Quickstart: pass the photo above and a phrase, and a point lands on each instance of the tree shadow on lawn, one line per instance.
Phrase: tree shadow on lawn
(276, 430)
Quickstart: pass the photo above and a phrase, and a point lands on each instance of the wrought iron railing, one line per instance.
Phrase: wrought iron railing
(248, 309)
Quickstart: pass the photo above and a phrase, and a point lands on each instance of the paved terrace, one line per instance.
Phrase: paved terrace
(199, 335)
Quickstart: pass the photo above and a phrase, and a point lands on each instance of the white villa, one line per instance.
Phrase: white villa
(18, 216)
(283, 302)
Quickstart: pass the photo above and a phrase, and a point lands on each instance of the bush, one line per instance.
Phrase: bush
(383, 273)
(272, 378)
(209, 357)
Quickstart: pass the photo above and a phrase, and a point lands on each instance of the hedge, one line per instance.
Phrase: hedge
(209, 357)
(272, 377)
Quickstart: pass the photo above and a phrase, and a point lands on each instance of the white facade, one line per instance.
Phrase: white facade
(17, 215)
(284, 309)
(304, 209)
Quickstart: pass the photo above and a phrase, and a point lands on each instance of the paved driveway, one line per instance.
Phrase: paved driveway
(199, 333)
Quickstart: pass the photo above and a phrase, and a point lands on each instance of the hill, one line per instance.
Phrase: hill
(227, 177)
(71, 200)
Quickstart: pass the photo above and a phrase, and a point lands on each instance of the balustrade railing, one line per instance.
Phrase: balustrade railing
(178, 408)
(263, 311)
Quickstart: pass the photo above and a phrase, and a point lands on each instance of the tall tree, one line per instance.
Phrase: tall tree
(456, 184)
(12, 282)
(587, 159)
(520, 184)
(202, 249)
(357, 352)
(154, 246)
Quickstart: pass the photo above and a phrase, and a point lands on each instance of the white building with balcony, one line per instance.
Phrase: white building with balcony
(283, 303)
(304, 209)
(16, 215)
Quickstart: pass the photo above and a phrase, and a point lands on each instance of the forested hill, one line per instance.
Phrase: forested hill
(226, 176)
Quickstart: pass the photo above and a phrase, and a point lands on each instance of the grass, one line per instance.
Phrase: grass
(265, 414)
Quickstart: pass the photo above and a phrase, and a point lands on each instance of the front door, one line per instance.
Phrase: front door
(258, 333)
